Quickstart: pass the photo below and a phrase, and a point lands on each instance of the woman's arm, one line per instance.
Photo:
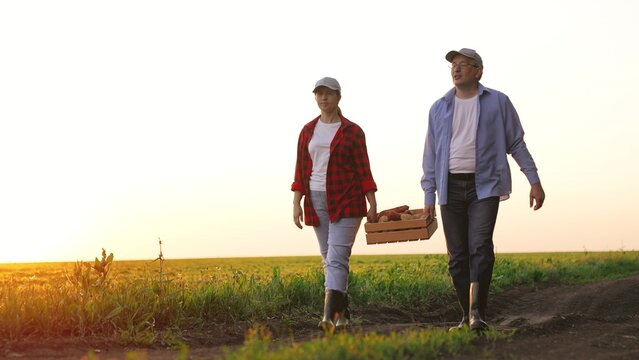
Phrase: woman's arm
(371, 215)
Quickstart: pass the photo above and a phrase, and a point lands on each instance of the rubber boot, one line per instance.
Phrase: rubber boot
(344, 316)
(463, 298)
(483, 299)
(332, 299)
(476, 320)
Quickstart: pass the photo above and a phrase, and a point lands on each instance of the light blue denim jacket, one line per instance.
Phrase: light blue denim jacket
(499, 132)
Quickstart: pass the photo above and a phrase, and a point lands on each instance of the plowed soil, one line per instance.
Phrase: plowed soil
(595, 321)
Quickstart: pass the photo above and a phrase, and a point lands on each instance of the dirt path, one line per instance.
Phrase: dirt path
(597, 321)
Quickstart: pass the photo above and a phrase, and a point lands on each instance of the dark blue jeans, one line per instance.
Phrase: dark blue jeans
(468, 226)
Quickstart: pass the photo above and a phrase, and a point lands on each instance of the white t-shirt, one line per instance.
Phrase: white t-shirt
(320, 149)
(462, 144)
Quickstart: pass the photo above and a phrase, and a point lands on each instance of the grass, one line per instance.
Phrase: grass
(411, 344)
(134, 302)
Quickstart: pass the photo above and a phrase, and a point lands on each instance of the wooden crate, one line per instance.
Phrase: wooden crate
(402, 230)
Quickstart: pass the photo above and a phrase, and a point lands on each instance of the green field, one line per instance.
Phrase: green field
(149, 302)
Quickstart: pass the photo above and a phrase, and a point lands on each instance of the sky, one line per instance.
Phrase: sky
(125, 122)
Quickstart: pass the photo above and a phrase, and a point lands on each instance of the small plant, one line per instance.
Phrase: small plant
(102, 268)
(90, 281)
(160, 258)
(81, 277)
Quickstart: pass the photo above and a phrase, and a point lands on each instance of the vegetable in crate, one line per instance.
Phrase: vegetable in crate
(393, 214)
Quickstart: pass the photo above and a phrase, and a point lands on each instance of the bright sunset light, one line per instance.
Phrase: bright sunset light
(124, 122)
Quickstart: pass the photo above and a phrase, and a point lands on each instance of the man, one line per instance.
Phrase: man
(470, 131)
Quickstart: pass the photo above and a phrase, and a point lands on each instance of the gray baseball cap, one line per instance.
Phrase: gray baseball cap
(467, 53)
(329, 83)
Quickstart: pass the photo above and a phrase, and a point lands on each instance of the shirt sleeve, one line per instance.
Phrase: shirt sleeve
(298, 183)
(362, 163)
(516, 146)
(428, 165)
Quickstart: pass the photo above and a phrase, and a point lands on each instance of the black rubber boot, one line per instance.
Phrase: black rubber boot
(463, 298)
(333, 301)
(483, 299)
(344, 316)
(476, 320)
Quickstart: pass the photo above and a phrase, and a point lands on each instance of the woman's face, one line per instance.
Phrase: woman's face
(327, 99)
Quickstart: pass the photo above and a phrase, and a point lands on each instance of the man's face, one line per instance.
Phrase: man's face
(327, 99)
(464, 71)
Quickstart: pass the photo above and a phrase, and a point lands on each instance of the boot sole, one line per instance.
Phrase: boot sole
(458, 328)
(342, 325)
(327, 326)
(482, 326)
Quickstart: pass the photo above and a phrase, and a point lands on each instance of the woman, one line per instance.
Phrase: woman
(333, 175)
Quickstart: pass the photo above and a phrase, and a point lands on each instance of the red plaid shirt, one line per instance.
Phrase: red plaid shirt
(348, 176)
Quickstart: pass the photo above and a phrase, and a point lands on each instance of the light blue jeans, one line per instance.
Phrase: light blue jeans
(335, 242)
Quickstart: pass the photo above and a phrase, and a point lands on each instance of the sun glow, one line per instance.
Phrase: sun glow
(183, 125)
